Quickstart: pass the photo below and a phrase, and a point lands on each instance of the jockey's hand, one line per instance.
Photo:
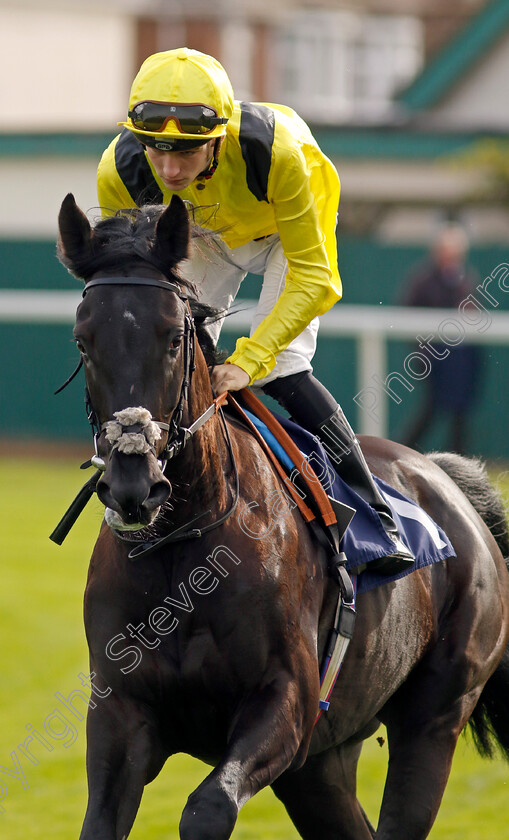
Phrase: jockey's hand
(229, 378)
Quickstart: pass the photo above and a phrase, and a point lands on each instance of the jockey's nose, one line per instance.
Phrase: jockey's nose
(171, 166)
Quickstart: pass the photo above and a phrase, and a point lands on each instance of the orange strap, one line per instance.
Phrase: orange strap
(309, 477)
(306, 512)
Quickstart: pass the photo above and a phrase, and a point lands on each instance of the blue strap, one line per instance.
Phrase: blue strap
(271, 441)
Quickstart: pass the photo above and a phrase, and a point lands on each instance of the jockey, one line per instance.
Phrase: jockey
(257, 178)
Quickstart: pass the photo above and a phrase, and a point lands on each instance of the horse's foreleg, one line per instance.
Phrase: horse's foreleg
(321, 797)
(122, 756)
(271, 730)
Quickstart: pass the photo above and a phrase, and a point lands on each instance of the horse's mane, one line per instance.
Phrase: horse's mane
(203, 314)
(126, 239)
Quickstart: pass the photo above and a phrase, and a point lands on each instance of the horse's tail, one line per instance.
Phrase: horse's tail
(471, 477)
(489, 722)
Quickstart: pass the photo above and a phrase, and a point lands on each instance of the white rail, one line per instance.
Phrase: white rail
(370, 326)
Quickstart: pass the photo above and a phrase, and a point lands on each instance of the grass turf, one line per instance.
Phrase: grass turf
(43, 650)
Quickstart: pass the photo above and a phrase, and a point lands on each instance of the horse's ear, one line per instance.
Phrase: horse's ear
(172, 233)
(74, 228)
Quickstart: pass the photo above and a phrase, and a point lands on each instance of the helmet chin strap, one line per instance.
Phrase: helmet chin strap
(212, 165)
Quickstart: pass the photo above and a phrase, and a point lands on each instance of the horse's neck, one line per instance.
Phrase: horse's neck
(199, 473)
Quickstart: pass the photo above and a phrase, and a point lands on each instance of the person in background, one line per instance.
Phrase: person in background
(445, 281)
(271, 196)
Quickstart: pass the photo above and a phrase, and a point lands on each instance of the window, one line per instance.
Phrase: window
(338, 67)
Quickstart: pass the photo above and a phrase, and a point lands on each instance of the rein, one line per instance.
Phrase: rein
(134, 427)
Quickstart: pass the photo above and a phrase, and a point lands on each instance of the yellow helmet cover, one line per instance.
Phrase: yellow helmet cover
(185, 77)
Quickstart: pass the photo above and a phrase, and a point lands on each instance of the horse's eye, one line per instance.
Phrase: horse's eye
(81, 347)
(176, 342)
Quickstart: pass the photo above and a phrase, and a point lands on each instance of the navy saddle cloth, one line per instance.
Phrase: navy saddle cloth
(365, 539)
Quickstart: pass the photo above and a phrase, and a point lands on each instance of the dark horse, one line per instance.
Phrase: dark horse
(211, 646)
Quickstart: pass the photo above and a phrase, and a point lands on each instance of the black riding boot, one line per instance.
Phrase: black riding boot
(314, 408)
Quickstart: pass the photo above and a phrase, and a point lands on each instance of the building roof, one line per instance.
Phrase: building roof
(451, 64)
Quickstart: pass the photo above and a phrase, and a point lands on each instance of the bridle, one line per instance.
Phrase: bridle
(177, 434)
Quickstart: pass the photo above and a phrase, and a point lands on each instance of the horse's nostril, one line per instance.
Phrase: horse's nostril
(131, 505)
(133, 487)
(106, 496)
(158, 494)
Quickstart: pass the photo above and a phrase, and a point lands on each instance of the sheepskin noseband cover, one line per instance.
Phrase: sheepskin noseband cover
(139, 441)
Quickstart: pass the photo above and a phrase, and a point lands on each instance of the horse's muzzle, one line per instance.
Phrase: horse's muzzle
(134, 487)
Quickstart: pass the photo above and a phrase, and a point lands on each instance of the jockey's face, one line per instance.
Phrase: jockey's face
(177, 170)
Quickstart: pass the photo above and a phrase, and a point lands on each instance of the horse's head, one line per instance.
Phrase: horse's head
(136, 338)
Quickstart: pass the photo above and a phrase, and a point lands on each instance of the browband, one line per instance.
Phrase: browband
(136, 281)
